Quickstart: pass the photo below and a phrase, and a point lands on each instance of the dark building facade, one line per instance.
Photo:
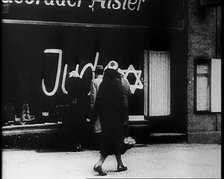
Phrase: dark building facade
(204, 43)
(169, 51)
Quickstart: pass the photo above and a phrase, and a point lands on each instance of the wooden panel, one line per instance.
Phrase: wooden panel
(146, 73)
(216, 85)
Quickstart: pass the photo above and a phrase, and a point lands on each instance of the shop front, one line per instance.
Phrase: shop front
(46, 42)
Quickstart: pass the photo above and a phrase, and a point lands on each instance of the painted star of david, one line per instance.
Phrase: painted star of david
(138, 84)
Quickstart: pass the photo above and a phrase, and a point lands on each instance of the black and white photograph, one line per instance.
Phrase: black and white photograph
(111, 89)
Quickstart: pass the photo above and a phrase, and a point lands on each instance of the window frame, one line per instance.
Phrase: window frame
(196, 63)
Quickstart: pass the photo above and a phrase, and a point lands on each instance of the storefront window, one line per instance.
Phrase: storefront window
(70, 39)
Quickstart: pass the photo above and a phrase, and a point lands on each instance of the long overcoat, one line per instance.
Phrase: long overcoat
(111, 108)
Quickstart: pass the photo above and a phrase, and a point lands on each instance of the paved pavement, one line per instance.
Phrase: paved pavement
(150, 161)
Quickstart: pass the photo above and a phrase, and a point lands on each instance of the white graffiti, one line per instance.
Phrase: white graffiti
(75, 73)
(63, 80)
(58, 72)
(137, 73)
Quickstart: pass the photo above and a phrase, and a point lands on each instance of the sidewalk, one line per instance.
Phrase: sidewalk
(150, 161)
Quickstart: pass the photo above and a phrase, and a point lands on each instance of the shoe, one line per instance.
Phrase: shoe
(99, 170)
(121, 168)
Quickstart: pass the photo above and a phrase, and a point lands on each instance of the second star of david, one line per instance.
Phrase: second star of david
(137, 73)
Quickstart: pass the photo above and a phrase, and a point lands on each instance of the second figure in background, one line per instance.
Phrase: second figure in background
(95, 84)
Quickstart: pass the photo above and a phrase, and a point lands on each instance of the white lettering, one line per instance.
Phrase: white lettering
(102, 3)
(72, 74)
(88, 65)
(96, 60)
(29, 1)
(131, 70)
(79, 3)
(130, 3)
(117, 5)
(51, 3)
(19, 1)
(124, 4)
(77, 69)
(63, 80)
(62, 3)
(7, 1)
(139, 4)
(37, 2)
(58, 72)
(109, 4)
(70, 4)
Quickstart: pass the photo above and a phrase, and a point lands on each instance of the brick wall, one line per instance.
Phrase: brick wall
(202, 42)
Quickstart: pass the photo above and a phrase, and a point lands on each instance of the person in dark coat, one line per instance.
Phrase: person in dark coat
(74, 123)
(110, 106)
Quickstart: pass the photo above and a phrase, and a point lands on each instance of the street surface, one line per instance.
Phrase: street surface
(150, 161)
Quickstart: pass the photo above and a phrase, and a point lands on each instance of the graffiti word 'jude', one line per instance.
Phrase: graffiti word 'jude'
(59, 69)
(132, 5)
(75, 73)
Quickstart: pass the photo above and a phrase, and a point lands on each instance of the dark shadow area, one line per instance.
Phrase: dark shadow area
(55, 141)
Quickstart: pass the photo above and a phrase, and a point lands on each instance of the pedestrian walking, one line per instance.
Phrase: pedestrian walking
(110, 106)
(93, 93)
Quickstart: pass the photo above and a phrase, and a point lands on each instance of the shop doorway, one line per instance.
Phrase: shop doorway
(164, 91)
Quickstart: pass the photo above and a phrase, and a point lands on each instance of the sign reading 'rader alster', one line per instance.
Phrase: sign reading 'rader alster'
(154, 13)
(132, 5)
